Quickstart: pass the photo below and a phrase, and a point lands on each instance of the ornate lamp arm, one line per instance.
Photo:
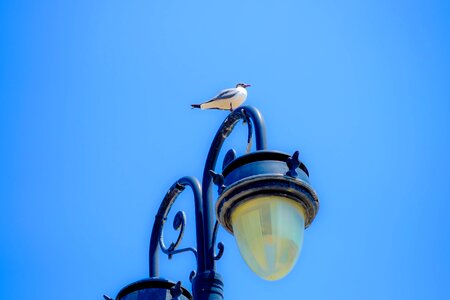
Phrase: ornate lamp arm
(206, 284)
(157, 232)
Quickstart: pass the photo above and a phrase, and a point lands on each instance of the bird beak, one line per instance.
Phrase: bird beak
(247, 85)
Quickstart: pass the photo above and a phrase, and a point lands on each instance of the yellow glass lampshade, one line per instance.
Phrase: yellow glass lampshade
(269, 233)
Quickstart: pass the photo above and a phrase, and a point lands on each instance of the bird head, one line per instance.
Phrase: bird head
(244, 85)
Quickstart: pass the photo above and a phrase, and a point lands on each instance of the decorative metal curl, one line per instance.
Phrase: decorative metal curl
(204, 216)
(179, 223)
(220, 245)
(221, 248)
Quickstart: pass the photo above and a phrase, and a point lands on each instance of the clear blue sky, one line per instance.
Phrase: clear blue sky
(95, 126)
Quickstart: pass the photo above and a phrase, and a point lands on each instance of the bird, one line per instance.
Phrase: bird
(228, 99)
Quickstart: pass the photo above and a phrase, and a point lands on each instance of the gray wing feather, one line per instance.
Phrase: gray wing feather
(225, 94)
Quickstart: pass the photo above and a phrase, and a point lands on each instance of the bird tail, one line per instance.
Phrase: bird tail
(195, 106)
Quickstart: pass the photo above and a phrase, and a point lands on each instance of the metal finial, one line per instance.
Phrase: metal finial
(293, 163)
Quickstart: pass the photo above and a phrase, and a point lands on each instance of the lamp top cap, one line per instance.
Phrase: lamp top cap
(259, 156)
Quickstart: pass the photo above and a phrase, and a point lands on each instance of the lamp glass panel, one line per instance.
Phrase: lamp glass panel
(269, 233)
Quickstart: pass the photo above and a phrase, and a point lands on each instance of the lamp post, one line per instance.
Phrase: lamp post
(265, 200)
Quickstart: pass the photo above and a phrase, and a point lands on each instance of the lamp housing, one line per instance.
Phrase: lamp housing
(266, 202)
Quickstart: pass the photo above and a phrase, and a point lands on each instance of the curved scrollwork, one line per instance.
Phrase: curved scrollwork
(204, 216)
(179, 223)
(220, 245)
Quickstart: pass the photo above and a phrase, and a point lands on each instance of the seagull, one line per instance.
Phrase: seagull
(227, 99)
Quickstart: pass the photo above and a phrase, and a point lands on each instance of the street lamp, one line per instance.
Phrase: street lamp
(265, 201)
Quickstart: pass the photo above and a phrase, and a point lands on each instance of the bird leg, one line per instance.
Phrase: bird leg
(231, 106)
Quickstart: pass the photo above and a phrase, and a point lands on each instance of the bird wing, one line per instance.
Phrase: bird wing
(225, 94)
